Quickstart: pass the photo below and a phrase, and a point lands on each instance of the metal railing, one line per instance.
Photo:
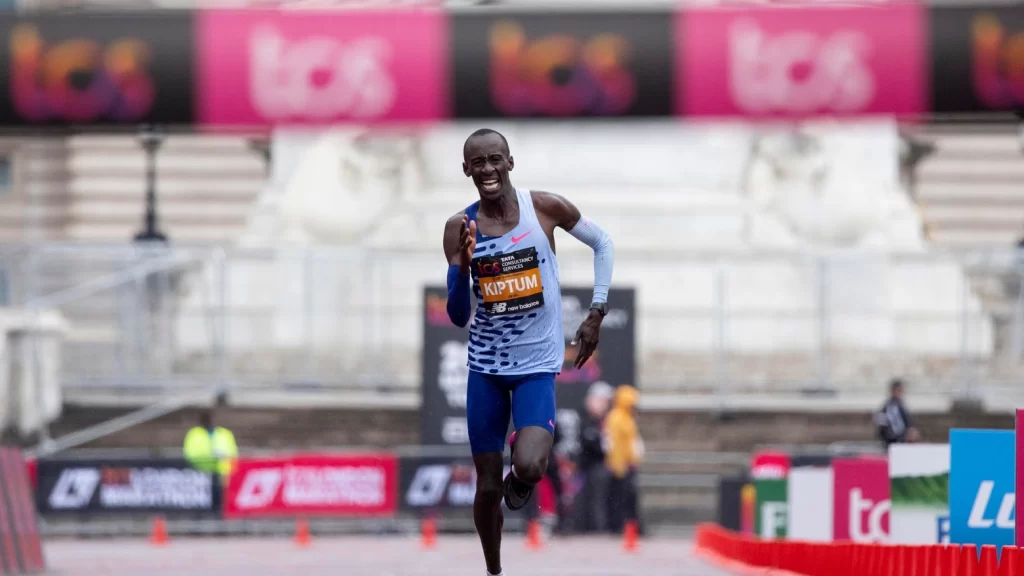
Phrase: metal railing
(316, 321)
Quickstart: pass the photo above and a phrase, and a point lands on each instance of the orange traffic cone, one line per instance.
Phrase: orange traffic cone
(159, 536)
(533, 536)
(630, 536)
(428, 532)
(302, 537)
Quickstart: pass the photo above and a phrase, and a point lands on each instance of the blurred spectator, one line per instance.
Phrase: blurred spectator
(894, 423)
(624, 449)
(211, 448)
(591, 506)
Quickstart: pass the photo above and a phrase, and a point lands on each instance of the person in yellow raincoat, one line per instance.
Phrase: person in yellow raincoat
(624, 450)
(211, 448)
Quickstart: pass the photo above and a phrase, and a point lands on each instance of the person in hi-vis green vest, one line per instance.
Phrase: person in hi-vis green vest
(211, 448)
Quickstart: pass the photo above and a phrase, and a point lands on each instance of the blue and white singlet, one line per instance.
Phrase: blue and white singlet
(517, 325)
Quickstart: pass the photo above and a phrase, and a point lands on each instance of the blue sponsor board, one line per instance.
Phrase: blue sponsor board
(981, 487)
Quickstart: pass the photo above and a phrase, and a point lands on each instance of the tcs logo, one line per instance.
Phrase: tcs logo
(799, 71)
(998, 63)
(489, 268)
(319, 77)
(869, 520)
(79, 80)
(559, 75)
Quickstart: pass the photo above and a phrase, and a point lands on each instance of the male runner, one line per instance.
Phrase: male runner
(506, 243)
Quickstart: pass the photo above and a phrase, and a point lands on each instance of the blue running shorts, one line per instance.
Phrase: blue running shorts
(491, 398)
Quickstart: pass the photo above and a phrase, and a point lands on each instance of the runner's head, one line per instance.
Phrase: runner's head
(487, 160)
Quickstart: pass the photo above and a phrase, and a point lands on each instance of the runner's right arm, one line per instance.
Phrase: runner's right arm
(459, 243)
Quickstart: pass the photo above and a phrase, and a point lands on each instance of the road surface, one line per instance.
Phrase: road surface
(368, 556)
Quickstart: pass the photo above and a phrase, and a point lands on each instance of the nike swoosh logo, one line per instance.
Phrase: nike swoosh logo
(525, 234)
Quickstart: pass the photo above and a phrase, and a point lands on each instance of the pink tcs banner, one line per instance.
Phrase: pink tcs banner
(1019, 480)
(260, 67)
(861, 499)
(783, 63)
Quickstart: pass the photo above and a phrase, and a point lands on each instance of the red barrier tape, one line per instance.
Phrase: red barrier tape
(748, 556)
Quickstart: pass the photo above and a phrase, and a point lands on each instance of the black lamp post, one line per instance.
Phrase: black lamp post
(914, 152)
(261, 146)
(151, 139)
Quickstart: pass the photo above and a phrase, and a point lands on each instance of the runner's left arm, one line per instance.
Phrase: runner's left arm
(567, 216)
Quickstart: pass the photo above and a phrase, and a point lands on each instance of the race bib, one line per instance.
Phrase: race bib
(510, 283)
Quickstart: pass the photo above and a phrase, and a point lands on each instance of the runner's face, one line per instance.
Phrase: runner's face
(488, 163)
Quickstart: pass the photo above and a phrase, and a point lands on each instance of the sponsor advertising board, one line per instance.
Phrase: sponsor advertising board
(438, 483)
(810, 503)
(976, 61)
(124, 486)
(1019, 486)
(240, 69)
(772, 510)
(981, 487)
(861, 499)
(90, 69)
(730, 502)
(768, 471)
(770, 63)
(748, 508)
(518, 64)
(838, 499)
(341, 485)
(919, 483)
(445, 370)
(306, 67)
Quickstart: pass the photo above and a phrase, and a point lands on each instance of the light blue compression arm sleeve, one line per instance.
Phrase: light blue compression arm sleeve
(458, 296)
(604, 254)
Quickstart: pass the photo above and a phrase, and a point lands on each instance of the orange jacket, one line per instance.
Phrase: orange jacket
(623, 446)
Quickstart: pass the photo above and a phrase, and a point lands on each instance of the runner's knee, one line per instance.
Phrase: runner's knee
(487, 490)
(530, 468)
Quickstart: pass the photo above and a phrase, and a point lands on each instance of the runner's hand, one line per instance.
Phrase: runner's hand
(467, 243)
(586, 338)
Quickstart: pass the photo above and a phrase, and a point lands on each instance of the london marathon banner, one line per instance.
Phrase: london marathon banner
(361, 485)
(445, 373)
(125, 486)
